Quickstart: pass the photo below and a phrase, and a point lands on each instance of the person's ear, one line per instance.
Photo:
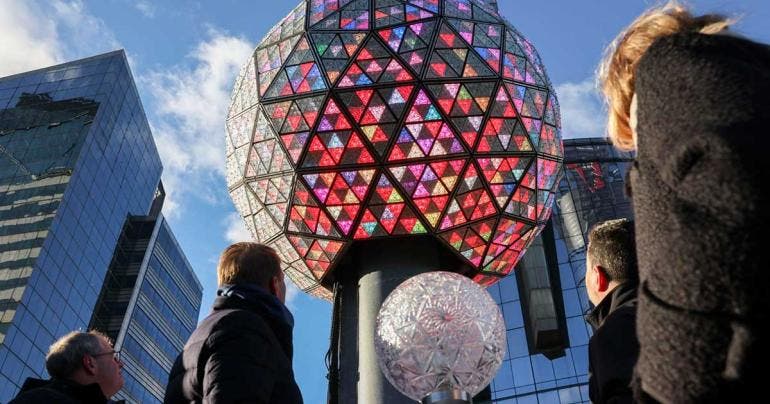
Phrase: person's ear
(602, 280)
(89, 364)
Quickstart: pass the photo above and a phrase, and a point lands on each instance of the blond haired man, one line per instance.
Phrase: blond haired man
(241, 352)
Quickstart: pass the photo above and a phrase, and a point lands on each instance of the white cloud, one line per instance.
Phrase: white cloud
(291, 295)
(146, 8)
(36, 34)
(29, 38)
(190, 105)
(235, 229)
(582, 112)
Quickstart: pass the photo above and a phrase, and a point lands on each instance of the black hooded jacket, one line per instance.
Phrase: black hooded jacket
(613, 349)
(240, 353)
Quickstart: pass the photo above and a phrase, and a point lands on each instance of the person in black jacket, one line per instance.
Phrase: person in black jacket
(241, 352)
(611, 281)
(84, 369)
(693, 100)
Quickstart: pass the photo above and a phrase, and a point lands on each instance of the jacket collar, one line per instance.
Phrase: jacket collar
(258, 300)
(89, 393)
(623, 295)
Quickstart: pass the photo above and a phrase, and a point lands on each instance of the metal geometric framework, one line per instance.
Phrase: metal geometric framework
(356, 119)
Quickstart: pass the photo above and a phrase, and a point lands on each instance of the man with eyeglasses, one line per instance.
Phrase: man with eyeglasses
(84, 368)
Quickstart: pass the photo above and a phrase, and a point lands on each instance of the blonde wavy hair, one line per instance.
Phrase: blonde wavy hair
(616, 74)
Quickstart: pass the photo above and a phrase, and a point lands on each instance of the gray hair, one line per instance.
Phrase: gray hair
(65, 356)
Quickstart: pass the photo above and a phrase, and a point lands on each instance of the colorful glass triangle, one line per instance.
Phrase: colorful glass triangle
(336, 49)
(430, 5)
(484, 38)
(336, 148)
(293, 119)
(317, 253)
(269, 60)
(550, 141)
(470, 202)
(544, 205)
(504, 134)
(339, 14)
(307, 217)
(341, 193)
(425, 133)
(529, 102)
(471, 241)
(506, 261)
(429, 185)
(388, 214)
(392, 12)
(410, 42)
(453, 58)
(523, 204)
(273, 194)
(531, 70)
(502, 174)
(509, 233)
(377, 112)
(547, 173)
(374, 64)
(300, 75)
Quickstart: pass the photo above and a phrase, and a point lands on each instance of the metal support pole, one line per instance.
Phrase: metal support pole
(379, 266)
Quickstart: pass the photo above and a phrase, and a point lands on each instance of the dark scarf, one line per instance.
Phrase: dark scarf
(260, 301)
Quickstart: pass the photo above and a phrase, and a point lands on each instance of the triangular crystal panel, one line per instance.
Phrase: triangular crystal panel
(502, 174)
(374, 64)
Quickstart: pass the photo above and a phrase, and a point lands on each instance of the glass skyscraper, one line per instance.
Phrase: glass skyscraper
(592, 190)
(76, 159)
(149, 306)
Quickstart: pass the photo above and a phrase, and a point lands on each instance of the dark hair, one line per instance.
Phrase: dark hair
(612, 246)
(248, 263)
(65, 356)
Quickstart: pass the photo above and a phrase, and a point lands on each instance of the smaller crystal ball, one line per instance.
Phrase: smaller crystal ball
(439, 330)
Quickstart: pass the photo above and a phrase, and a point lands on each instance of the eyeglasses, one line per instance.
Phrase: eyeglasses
(115, 354)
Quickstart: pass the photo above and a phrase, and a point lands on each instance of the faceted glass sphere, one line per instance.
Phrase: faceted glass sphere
(357, 119)
(439, 330)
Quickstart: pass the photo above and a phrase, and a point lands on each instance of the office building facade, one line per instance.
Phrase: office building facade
(592, 190)
(76, 159)
(149, 306)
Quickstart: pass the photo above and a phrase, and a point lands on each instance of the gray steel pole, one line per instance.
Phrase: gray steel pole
(374, 268)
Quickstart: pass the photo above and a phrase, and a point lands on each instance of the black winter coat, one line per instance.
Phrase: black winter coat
(35, 391)
(701, 208)
(613, 349)
(238, 354)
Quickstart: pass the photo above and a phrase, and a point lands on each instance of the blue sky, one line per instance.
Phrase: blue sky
(185, 56)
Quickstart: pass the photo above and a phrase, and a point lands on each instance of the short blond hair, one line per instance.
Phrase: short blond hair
(248, 263)
(617, 71)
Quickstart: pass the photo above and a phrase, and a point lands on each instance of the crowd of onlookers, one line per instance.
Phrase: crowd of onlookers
(679, 293)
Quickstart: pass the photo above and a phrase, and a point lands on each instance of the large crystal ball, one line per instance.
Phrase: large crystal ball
(439, 331)
(357, 119)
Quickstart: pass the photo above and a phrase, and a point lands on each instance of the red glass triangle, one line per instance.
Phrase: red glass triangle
(332, 118)
(447, 38)
(508, 232)
(502, 105)
(277, 113)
